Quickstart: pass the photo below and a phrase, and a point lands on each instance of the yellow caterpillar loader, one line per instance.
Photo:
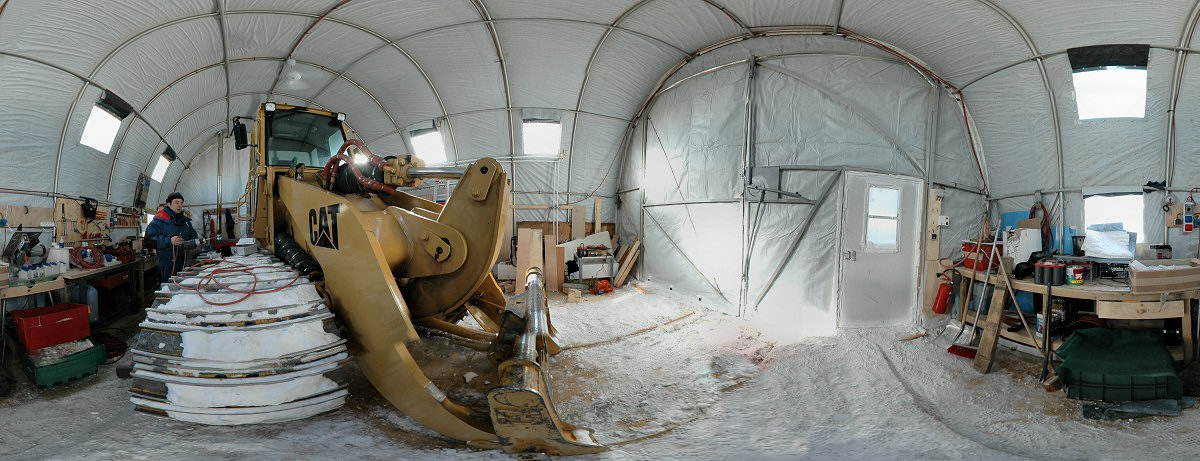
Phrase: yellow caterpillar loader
(400, 270)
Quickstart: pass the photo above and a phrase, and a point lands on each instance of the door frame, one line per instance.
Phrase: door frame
(918, 240)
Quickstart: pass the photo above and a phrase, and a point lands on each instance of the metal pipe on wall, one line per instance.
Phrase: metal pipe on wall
(220, 153)
(443, 172)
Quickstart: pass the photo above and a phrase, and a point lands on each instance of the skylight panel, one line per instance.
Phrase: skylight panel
(541, 138)
(160, 168)
(100, 130)
(429, 146)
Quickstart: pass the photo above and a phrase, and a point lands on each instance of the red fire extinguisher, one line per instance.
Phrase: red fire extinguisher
(943, 295)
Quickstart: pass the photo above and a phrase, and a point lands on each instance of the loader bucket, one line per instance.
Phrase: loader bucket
(522, 411)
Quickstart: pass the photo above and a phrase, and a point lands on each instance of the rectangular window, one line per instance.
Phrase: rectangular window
(883, 219)
(160, 168)
(100, 130)
(429, 146)
(1124, 209)
(1109, 80)
(541, 138)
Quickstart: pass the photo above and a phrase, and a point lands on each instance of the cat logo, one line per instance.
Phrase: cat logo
(322, 226)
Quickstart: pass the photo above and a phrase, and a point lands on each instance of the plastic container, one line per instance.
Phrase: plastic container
(51, 325)
(1076, 275)
(73, 367)
(93, 302)
(1161, 251)
(1118, 366)
(972, 304)
(977, 256)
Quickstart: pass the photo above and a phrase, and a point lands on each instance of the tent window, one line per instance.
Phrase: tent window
(541, 138)
(100, 130)
(1112, 92)
(429, 146)
(883, 219)
(160, 168)
(1125, 209)
(1110, 80)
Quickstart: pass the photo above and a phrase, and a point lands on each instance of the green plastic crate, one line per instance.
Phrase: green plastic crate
(1118, 366)
(73, 367)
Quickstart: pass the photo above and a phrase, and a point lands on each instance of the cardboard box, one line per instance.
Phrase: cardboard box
(1184, 275)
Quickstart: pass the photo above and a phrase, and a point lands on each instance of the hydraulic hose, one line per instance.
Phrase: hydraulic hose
(332, 165)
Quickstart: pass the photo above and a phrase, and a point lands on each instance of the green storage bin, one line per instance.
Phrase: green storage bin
(73, 367)
(1118, 366)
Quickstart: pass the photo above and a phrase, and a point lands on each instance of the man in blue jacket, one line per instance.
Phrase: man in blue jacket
(172, 233)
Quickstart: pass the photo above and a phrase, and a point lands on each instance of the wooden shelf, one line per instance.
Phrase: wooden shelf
(16, 291)
(1018, 336)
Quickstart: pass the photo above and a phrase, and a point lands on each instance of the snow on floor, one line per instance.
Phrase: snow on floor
(660, 377)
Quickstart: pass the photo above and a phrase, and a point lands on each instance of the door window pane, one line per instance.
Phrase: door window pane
(883, 202)
(882, 233)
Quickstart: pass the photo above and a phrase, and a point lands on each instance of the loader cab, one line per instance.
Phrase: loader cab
(283, 138)
(299, 135)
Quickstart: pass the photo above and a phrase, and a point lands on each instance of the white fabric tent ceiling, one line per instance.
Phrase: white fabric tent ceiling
(388, 64)
(844, 84)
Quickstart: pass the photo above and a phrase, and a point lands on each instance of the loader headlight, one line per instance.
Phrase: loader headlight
(269, 107)
(341, 117)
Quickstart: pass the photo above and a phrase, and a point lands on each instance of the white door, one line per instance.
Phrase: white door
(881, 217)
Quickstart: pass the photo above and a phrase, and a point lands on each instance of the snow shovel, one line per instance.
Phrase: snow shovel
(965, 350)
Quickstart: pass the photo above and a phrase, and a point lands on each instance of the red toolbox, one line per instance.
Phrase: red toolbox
(51, 325)
(975, 256)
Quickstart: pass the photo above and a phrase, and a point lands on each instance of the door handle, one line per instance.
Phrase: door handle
(849, 255)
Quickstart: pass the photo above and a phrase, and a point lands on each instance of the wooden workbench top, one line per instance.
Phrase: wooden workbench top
(139, 263)
(1100, 289)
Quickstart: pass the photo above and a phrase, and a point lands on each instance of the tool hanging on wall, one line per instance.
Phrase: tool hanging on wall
(1189, 208)
(88, 208)
(62, 233)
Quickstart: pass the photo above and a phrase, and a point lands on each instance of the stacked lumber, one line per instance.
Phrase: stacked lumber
(627, 256)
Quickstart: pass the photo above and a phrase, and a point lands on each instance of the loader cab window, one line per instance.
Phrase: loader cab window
(295, 137)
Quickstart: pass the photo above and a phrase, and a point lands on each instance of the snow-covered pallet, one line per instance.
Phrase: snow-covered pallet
(255, 345)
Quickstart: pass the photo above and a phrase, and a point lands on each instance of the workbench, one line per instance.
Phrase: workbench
(1113, 301)
(137, 269)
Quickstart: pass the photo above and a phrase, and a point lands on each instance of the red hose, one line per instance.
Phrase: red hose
(79, 260)
(1033, 212)
(211, 277)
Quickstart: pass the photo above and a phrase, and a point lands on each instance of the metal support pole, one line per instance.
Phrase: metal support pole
(220, 210)
(747, 167)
